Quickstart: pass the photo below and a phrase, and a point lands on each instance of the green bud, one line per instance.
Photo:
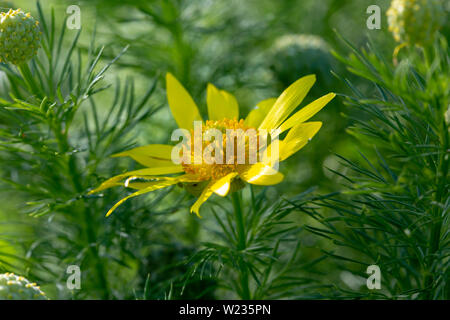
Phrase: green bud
(20, 37)
(415, 22)
(296, 55)
(14, 287)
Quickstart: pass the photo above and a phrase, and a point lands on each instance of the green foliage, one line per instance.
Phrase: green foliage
(254, 253)
(394, 208)
(49, 163)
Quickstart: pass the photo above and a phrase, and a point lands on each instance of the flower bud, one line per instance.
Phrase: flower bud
(20, 37)
(296, 55)
(415, 22)
(14, 287)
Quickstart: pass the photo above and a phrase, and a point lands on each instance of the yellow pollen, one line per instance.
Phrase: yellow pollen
(205, 171)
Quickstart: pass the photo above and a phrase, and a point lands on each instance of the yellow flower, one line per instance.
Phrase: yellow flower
(223, 111)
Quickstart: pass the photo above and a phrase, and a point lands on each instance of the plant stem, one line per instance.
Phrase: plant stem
(28, 78)
(90, 231)
(239, 220)
(435, 236)
(241, 244)
(74, 174)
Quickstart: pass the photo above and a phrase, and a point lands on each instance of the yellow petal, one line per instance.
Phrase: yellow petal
(287, 102)
(114, 181)
(207, 192)
(220, 186)
(159, 185)
(267, 154)
(150, 155)
(141, 182)
(297, 138)
(256, 116)
(260, 174)
(152, 162)
(161, 151)
(221, 104)
(183, 107)
(307, 112)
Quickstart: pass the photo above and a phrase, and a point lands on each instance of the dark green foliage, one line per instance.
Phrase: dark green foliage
(255, 251)
(52, 153)
(394, 209)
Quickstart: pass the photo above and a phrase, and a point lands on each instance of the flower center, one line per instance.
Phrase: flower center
(226, 145)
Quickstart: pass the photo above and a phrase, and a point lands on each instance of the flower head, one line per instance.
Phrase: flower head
(296, 54)
(225, 152)
(20, 37)
(13, 287)
(415, 22)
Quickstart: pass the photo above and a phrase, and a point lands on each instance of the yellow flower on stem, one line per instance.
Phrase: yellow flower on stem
(222, 177)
